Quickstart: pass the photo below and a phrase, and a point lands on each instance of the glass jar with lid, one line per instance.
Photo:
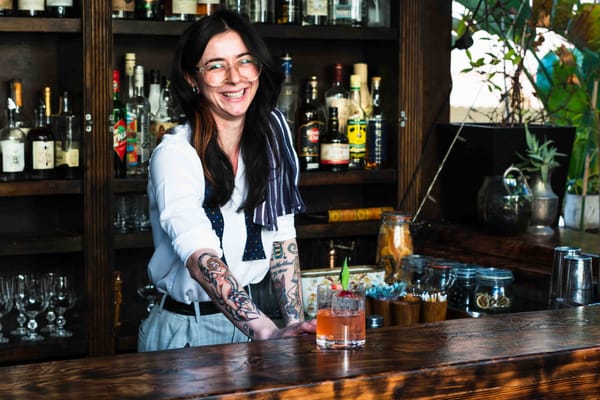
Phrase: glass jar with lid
(493, 290)
(460, 294)
(434, 296)
(393, 244)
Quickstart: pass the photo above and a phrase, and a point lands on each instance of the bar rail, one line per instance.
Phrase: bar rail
(542, 354)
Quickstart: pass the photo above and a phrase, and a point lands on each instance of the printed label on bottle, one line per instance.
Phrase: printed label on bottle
(124, 5)
(342, 105)
(316, 8)
(309, 138)
(184, 6)
(335, 153)
(59, 3)
(357, 137)
(158, 130)
(42, 154)
(376, 142)
(132, 153)
(342, 11)
(58, 153)
(71, 158)
(26, 5)
(6, 5)
(120, 138)
(13, 156)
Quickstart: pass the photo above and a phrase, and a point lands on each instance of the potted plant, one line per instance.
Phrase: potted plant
(520, 28)
(539, 161)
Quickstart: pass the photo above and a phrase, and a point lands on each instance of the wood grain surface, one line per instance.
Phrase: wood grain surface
(544, 354)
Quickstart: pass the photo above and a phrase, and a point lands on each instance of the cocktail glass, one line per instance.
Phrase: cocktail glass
(340, 317)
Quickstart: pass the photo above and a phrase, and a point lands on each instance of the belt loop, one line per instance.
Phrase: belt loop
(197, 310)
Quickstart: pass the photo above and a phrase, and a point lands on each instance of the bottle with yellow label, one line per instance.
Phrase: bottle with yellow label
(356, 128)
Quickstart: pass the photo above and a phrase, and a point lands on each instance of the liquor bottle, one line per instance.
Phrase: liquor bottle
(22, 121)
(181, 10)
(334, 154)
(288, 12)
(361, 69)
(138, 128)
(241, 7)
(314, 12)
(310, 126)
(40, 148)
(129, 71)
(337, 96)
(166, 117)
(149, 10)
(123, 9)
(288, 98)
(12, 147)
(376, 156)
(154, 90)
(31, 8)
(59, 8)
(348, 12)
(262, 11)
(118, 123)
(356, 128)
(6, 8)
(207, 7)
(67, 144)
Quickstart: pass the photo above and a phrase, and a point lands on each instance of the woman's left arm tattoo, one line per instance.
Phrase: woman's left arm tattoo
(285, 275)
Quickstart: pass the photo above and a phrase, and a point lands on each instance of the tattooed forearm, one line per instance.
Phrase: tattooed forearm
(226, 291)
(285, 275)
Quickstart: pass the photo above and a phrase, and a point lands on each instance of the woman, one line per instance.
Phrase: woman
(223, 192)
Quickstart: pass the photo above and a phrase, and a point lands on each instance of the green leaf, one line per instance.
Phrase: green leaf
(345, 274)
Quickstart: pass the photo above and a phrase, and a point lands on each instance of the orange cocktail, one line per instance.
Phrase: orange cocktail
(341, 317)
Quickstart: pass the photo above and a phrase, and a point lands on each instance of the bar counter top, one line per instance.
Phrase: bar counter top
(530, 355)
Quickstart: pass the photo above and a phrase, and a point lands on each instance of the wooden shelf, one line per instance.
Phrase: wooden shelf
(31, 25)
(133, 240)
(130, 185)
(269, 31)
(341, 229)
(40, 188)
(40, 243)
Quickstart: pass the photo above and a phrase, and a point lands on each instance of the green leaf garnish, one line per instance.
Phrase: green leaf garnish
(345, 274)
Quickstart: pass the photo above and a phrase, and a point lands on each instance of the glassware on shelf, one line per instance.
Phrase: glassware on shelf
(19, 282)
(50, 278)
(32, 301)
(6, 301)
(65, 300)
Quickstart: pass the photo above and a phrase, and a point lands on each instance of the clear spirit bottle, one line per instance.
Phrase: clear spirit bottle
(138, 128)
(12, 147)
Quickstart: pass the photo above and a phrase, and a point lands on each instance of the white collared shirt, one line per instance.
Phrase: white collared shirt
(180, 226)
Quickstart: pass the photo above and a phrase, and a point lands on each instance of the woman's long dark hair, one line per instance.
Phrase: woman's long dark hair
(256, 137)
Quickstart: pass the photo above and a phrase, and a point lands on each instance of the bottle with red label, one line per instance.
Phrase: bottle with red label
(310, 125)
(119, 128)
(334, 148)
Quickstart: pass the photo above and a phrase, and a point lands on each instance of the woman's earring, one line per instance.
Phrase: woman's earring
(195, 89)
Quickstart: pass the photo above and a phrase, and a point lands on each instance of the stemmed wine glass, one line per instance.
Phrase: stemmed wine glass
(64, 300)
(32, 302)
(6, 300)
(50, 278)
(146, 289)
(19, 291)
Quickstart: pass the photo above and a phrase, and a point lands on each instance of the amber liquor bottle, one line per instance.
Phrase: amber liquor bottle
(310, 122)
(41, 142)
(334, 149)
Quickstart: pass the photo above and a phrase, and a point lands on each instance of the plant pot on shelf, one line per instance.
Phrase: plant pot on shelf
(488, 150)
(572, 211)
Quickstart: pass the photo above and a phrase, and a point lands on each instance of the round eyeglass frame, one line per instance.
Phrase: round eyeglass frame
(228, 67)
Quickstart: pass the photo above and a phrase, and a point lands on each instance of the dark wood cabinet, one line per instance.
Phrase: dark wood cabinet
(67, 225)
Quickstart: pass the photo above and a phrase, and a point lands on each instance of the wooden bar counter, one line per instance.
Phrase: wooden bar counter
(541, 354)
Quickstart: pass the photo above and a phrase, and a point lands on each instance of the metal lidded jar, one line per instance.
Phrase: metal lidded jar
(493, 290)
(393, 244)
(460, 294)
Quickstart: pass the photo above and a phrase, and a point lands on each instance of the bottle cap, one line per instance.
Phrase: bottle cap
(355, 81)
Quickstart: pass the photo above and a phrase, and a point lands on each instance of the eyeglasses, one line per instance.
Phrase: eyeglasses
(215, 72)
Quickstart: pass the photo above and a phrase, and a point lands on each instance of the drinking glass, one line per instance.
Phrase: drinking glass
(19, 292)
(6, 301)
(64, 301)
(50, 278)
(340, 317)
(579, 288)
(32, 302)
(146, 289)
